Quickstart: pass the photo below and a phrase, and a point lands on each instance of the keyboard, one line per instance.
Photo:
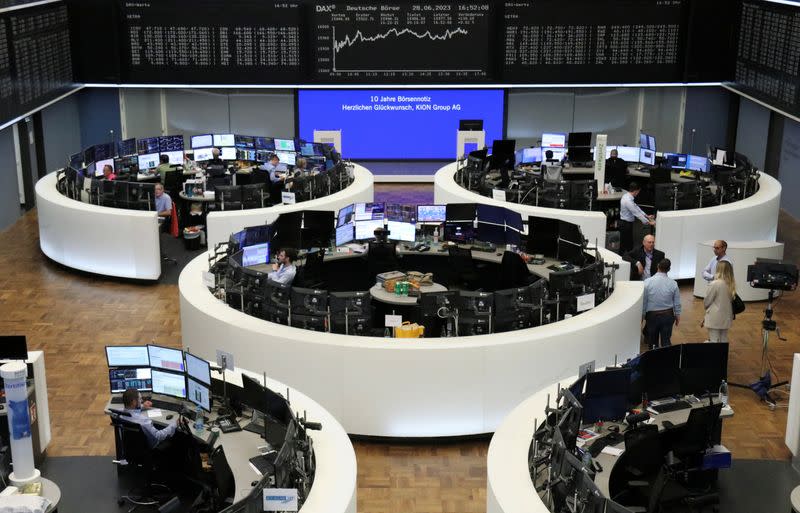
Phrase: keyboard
(668, 407)
(165, 405)
(598, 446)
(116, 399)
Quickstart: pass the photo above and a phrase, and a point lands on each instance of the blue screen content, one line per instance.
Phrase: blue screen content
(399, 124)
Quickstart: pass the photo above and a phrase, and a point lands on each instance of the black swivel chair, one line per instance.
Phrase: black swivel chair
(382, 257)
(463, 271)
(310, 274)
(107, 193)
(255, 195)
(644, 464)
(133, 451)
(513, 272)
(223, 475)
(172, 182)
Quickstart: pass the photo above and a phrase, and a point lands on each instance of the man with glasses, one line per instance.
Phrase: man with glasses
(720, 247)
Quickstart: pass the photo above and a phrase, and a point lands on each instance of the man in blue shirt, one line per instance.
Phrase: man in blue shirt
(276, 169)
(132, 400)
(720, 248)
(163, 202)
(285, 270)
(661, 305)
(629, 211)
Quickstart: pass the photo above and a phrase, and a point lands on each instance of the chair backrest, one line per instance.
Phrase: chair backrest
(223, 474)
(459, 258)
(135, 448)
(382, 257)
(698, 431)
(643, 449)
(513, 271)
(552, 173)
(171, 180)
(313, 265)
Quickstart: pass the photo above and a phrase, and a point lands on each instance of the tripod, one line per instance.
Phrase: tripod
(764, 384)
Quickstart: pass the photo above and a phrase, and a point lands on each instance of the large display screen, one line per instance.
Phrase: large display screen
(414, 123)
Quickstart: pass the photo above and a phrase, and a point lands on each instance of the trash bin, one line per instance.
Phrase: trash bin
(191, 238)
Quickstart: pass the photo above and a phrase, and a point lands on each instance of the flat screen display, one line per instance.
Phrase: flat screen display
(254, 255)
(127, 356)
(166, 358)
(344, 234)
(175, 157)
(148, 161)
(366, 229)
(287, 157)
(198, 368)
(647, 156)
(369, 211)
(284, 145)
(415, 124)
(647, 141)
(202, 155)
(202, 141)
(101, 164)
(697, 163)
(554, 140)
(627, 153)
(199, 394)
(224, 140)
(123, 379)
(227, 153)
(345, 215)
(676, 160)
(402, 231)
(167, 383)
(529, 155)
(431, 213)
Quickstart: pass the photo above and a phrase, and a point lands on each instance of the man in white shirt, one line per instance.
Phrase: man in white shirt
(134, 406)
(628, 212)
(284, 271)
(720, 247)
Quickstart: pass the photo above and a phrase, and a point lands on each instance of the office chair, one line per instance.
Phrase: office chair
(513, 272)
(382, 257)
(133, 450)
(311, 272)
(107, 193)
(552, 173)
(660, 175)
(255, 195)
(223, 476)
(643, 462)
(463, 271)
(171, 183)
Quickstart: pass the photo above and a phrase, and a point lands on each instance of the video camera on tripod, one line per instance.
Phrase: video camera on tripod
(772, 274)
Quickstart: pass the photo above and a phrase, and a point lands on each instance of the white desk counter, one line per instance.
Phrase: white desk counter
(742, 254)
(101, 240)
(446, 190)
(412, 388)
(755, 218)
(220, 225)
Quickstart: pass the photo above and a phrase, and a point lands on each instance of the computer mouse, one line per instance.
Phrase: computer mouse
(170, 416)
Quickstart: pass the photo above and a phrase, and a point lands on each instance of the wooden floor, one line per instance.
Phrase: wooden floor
(71, 316)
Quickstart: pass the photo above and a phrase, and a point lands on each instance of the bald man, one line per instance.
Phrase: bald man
(644, 259)
(720, 253)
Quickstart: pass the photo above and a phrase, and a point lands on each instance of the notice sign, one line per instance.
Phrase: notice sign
(208, 280)
(287, 198)
(393, 321)
(585, 302)
(280, 499)
(499, 194)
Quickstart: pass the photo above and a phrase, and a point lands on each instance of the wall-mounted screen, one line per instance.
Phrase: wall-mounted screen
(415, 123)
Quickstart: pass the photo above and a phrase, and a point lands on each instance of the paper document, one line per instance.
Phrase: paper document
(153, 413)
(613, 451)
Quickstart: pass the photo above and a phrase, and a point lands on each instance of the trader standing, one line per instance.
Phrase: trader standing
(718, 303)
(720, 247)
(616, 170)
(661, 306)
(628, 212)
(645, 258)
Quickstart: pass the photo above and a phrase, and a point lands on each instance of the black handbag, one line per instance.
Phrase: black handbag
(737, 304)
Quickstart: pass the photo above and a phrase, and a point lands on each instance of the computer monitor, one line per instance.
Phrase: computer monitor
(353, 303)
(554, 140)
(647, 142)
(703, 367)
(345, 234)
(431, 213)
(147, 146)
(255, 254)
(579, 139)
(169, 383)
(542, 236)
(202, 141)
(697, 163)
(502, 153)
(647, 156)
(308, 150)
(366, 229)
(309, 301)
(101, 164)
(165, 358)
(170, 143)
(265, 143)
(245, 142)
(676, 160)
(148, 161)
(127, 148)
(529, 155)
(398, 230)
(660, 372)
(475, 303)
(284, 145)
(460, 232)
(76, 160)
(119, 356)
(227, 153)
(460, 212)
(317, 231)
(491, 233)
(203, 154)
(199, 394)
(287, 157)
(606, 395)
(628, 153)
(224, 140)
(121, 379)
(345, 215)
(197, 368)
(175, 157)
(369, 211)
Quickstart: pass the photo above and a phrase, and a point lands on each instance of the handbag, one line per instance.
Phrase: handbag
(737, 304)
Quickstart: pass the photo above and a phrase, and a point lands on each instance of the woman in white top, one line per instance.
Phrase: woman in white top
(719, 311)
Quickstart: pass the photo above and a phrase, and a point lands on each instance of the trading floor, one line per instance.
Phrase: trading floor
(72, 316)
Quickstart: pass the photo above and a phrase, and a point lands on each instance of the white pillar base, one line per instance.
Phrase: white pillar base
(35, 478)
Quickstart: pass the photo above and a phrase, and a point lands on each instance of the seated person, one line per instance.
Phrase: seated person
(277, 171)
(163, 202)
(134, 406)
(284, 270)
(616, 170)
(108, 172)
(644, 259)
(164, 167)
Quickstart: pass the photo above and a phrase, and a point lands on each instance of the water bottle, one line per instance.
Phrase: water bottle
(436, 236)
(198, 419)
(723, 393)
